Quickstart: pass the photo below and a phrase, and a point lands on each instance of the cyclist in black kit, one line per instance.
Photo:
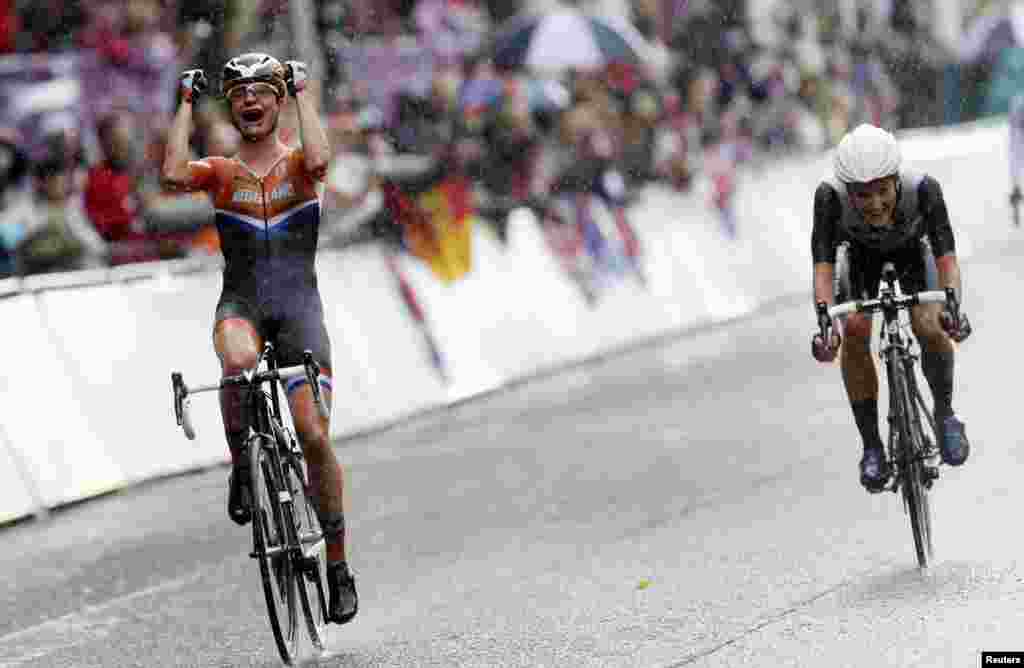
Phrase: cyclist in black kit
(267, 202)
(873, 211)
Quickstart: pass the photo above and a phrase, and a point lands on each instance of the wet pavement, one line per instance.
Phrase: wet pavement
(689, 503)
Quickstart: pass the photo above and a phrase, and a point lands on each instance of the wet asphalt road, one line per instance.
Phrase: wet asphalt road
(692, 503)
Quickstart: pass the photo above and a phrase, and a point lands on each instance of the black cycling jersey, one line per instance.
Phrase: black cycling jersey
(920, 213)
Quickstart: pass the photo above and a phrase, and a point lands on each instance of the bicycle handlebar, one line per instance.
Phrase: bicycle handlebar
(309, 368)
(898, 302)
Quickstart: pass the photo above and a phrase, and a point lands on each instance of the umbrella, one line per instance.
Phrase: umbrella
(991, 33)
(558, 40)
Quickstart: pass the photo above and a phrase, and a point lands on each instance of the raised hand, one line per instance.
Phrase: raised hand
(958, 327)
(826, 341)
(193, 84)
(296, 75)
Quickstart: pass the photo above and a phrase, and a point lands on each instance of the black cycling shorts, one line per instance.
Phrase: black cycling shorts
(294, 325)
(859, 270)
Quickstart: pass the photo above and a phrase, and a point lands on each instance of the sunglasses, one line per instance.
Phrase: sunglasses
(258, 89)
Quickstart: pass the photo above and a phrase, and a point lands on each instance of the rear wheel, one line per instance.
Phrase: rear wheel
(269, 534)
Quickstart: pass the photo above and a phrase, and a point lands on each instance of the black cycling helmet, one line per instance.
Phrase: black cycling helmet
(250, 67)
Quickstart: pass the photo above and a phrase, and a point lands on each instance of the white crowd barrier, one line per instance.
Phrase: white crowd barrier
(86, 390)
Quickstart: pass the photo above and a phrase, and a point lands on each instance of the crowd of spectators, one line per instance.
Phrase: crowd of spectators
(87, 91)
(78, 177)
(710, 92)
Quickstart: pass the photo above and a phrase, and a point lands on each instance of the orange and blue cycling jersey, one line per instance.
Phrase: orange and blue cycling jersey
(268, 228)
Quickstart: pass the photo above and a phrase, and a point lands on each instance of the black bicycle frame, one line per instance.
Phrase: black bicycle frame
(260, 416)
(899, 359)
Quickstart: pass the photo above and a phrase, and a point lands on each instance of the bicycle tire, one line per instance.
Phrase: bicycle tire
(922, 452)
(311, 587)
(270, 541)
(911, 466)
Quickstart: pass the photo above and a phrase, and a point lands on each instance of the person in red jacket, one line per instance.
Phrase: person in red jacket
(114, 203)
(8, 26)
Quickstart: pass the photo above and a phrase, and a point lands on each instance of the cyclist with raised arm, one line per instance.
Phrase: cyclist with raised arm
(267, 201)
(869, 212)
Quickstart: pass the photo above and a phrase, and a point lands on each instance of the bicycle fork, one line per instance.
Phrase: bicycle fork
(898, 360)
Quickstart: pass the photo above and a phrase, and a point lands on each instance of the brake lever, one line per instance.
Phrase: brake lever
(178, 388)
(824, 319)
(181, 405)
(313, 376)
(953, 304)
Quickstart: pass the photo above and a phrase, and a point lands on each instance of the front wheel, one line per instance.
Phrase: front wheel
(270, 548)
(312, 588)
(912, 466)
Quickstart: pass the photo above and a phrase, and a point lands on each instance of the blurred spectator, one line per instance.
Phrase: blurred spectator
(179, 224)
(641, 110)
(50, 25)
(416, 66)
(676, 156)
(112, 199)
(9, 26)
(502, 10)
(130, 61)
(453, 28)
(119, 197)
(207, 32)
(58, 235)
(722, 161)
(14, 203)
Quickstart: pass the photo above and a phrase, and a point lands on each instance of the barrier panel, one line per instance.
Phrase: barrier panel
(120, 364)
(56, 439)
(380, 367)
(86, 395)
(16, 498)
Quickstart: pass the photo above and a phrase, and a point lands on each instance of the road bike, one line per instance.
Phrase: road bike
(288, 542)
(912, 444)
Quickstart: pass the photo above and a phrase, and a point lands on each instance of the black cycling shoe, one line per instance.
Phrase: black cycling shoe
(874, 469)
(344, 600)
(239, 496)
(954, 445)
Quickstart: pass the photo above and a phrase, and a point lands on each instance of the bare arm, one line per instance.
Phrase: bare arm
(823, 273)
(175, 171)
(316, 149)
(949, 274)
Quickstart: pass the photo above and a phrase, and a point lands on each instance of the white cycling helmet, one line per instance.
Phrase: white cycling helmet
(865, 154)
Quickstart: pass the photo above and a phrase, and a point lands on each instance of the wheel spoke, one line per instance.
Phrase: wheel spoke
(311, 589)
(269, 538)
(911, 465)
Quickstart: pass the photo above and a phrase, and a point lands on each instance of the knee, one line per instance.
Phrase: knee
(237, 344)
(235, 360)
(314, 438)
(857, 332)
